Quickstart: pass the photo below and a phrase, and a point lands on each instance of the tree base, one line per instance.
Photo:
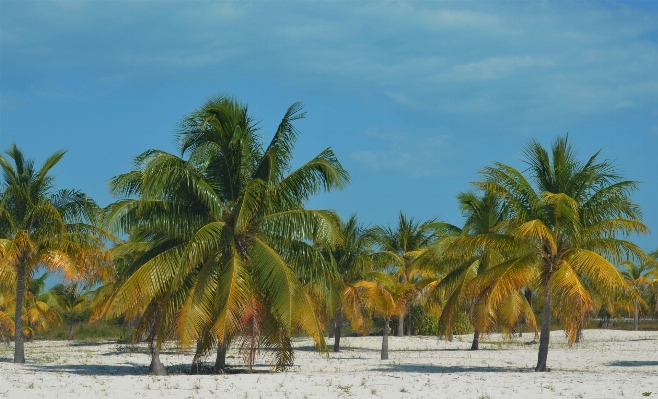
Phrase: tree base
(156, 367)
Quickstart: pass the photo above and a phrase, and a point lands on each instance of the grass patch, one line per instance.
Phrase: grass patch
(100, 329)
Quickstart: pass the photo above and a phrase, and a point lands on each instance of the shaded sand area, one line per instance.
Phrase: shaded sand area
(607, 364)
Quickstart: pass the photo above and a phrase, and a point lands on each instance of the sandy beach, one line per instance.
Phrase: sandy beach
(607, 364)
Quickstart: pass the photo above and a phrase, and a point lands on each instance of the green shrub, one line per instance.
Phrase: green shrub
(462, 325)
(423, 322)
(98, 330)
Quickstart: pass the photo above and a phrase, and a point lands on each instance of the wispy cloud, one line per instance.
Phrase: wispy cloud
(414, 155)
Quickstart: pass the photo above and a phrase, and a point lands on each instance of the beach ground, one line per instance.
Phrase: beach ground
(607, 364)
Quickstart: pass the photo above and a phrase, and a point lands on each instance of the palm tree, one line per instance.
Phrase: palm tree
(38, 315)
(567, 218)
(43, 227)
(483, 215)
(70, 299)
(352, 260)
(242, 237)
(402, 246)
(638, 277)
(366, 298)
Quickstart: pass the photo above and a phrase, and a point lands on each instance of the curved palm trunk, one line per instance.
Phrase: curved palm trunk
(220, 362)
(636, 321)
(156, 367)
(386, 332)
(401, 324)
(19, 348)
(337, 332)
(196, 360)
(544, 338)
(476, 340)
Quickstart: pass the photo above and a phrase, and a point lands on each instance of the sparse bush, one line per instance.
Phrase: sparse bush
(423, 322)
(462, 324)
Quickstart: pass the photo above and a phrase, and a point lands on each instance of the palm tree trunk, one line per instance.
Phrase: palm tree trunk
(337, 332)
(410, 325)
(544, 338)
(220, 362)
(19, 348)
(156, 367)
(520, 326)
(386, 332)
(476, 340)
(71, 335)
(401, 324)
(197, 359)
(332, 327)
(251, 358)
(636, 321)
(528, 295)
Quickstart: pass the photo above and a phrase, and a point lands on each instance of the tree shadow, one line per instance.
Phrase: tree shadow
(634, 363)
(432, 368)
(92, 369)
(92, 343)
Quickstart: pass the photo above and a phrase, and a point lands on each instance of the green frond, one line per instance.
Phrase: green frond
(151, 280)
(275, 279)
(300, 225)
(537, 230)
(233, 295)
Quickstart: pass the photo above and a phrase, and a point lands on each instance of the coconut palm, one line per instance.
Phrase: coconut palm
(483, 215)
(401, 247)
(352, 259)
(568, 217)
(639, 277)
(367, 298)
(243, 238)
(38, 316)
(41, 227)
(71, 299)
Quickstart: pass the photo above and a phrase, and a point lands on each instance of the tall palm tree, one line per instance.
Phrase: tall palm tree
(568, 217)
(242, 235)
(483, 215)
(402, 246)
(38, 315)
(639, 277)
(43, 227)
(352, 260)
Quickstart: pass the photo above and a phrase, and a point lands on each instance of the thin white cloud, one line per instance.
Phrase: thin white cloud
(494, 68)
(414, 155)
(569, 58)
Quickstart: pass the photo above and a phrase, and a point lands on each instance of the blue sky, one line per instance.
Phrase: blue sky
(414, 97)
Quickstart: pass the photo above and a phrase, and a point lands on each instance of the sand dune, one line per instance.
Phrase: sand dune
(607, 364)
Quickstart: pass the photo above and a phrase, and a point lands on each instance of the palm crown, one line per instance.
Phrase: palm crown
(238, 235)
(567, 218)
(43, 227)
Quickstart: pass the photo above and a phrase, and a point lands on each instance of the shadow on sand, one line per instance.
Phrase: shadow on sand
(634, 363)
(431, 368)
(92, 343)
(91, 369)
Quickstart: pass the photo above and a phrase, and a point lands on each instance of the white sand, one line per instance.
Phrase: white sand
(608, 364)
